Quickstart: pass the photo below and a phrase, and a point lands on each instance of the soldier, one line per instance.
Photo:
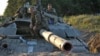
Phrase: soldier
(32, 23)
(27, 5)
(52, 11)
(35, 24)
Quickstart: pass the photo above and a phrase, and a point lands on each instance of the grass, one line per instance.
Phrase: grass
(84, 22)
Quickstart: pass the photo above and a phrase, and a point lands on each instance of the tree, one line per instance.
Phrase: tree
(64, 7)
(12, 7)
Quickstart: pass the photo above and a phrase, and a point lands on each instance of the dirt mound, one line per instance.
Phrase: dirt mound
(94, 43)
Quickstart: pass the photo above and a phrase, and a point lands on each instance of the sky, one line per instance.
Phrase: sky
(3, 5)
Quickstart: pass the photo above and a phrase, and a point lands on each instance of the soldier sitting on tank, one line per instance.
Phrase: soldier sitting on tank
(32, 23)
(52, 11)
(35, 24)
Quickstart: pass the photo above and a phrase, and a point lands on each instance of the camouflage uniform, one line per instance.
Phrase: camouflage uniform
(53, 12)
(32, 23)
(35, 24)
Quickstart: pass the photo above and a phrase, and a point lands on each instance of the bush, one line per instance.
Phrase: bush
(85, 22)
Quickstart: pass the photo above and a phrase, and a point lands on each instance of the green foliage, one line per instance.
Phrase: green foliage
(63, 7)
(85, 22)
(12, 7)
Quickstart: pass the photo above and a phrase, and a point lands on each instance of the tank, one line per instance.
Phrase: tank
(17, 38)
(61, 35)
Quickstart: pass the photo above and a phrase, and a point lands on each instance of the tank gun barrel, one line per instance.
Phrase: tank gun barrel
(56, 40)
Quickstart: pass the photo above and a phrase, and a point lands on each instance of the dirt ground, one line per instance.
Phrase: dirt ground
(56, 53)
